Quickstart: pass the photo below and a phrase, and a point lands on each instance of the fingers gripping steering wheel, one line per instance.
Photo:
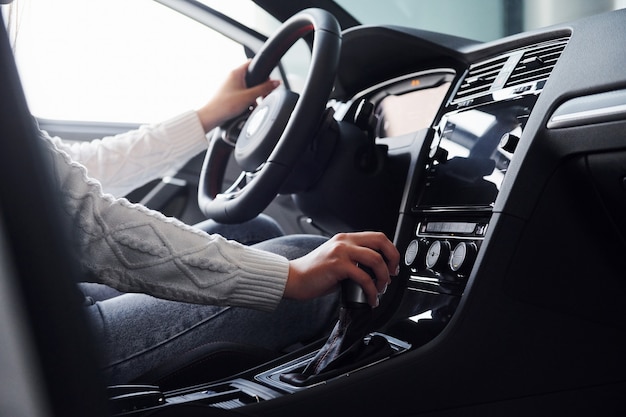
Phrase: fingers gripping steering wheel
(280, 127)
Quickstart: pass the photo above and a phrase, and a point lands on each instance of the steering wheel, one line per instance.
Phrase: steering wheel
(279, 129)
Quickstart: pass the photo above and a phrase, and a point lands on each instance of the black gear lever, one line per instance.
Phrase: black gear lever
(352, 294)
(345, 348)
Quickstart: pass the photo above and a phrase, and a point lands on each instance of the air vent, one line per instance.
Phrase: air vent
(521, 66)
(537, 62)
(479, 78)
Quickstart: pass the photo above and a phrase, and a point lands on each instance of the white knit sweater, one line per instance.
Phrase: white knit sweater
(124, 162)
(134, 249)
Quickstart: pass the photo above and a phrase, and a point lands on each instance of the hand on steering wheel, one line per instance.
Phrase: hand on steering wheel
(280, 127)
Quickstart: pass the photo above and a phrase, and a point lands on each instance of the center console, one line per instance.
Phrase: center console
(468, 159)
(469, 151)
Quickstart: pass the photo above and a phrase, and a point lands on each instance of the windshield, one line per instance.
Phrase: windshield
(481, 20)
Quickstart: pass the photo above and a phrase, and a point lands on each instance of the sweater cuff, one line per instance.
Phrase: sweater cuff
(263, 276)
(187, 130)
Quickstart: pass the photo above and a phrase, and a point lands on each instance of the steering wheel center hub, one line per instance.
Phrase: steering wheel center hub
(256, 120)
(264, 128)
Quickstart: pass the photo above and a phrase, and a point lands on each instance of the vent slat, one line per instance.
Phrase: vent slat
(480, 77)
(535, 64)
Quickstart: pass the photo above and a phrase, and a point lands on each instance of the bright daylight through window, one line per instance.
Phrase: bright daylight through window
(116, 60)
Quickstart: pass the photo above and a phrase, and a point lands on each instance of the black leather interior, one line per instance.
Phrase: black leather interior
(206, 363)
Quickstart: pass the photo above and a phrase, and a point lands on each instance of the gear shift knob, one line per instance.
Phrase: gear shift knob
(346, 347)
(352, 294)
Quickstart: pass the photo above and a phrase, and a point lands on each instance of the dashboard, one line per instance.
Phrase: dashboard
(499, 171)
(470, 118)
(510, 220)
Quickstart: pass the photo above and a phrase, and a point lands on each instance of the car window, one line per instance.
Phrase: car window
(116, 60)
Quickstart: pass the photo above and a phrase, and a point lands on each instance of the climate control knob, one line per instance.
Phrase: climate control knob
(509, 142)
(462, 257)
(411, 252)
(437, 255)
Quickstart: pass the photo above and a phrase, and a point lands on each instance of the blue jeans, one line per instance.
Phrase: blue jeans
(259, 229)
(137, 332)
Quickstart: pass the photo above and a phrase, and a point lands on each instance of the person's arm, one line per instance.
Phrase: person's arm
(134, 249)
(129, 160)
(126, 161)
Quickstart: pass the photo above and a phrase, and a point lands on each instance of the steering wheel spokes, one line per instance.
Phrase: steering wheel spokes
(231, 130)
(278, 130)
(237, 186)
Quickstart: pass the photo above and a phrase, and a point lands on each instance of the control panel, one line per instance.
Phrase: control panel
(442, 255)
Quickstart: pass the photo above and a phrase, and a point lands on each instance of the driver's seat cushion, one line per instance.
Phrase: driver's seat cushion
(206, 363)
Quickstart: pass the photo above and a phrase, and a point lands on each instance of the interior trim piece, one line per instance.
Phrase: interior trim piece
(217, 21)
(598, 108)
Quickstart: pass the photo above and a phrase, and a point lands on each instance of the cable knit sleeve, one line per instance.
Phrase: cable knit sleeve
(129, 160)
(134, 249)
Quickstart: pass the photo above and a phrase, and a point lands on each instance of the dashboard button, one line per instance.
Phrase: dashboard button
(462, 257)
(509, 142)
(438, 254)
(411, 252)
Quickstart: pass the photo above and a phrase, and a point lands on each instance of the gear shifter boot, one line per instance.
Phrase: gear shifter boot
(345, 349)
(350, 329)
